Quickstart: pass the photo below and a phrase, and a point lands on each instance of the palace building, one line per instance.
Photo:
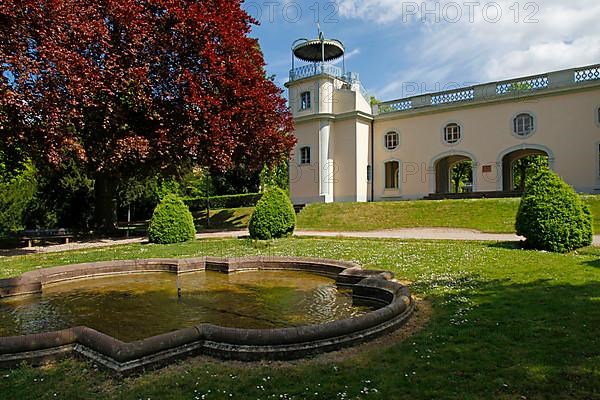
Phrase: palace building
(351, 151)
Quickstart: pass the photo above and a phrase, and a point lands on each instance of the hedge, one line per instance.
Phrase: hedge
(230, 201)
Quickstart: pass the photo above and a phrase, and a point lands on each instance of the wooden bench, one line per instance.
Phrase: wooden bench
(46, 234)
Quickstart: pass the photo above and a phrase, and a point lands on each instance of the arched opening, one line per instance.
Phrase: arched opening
(519, 165)
(454, 174)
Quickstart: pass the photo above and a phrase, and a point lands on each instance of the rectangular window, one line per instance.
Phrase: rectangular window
(305, 101)
(391, 174)
(392, 140)
(305, 155)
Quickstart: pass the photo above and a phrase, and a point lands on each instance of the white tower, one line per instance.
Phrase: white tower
(325, 166)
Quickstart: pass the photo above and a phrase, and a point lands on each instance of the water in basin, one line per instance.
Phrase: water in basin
(132, 307)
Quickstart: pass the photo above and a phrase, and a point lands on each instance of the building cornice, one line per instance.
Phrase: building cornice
(549, 84)
(484, 102)
(335, 117)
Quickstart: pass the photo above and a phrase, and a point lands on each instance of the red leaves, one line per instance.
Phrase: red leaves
(83, 75)
(133, 149)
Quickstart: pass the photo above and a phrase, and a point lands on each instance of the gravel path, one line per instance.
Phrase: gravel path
(412, 233)
(421, 233)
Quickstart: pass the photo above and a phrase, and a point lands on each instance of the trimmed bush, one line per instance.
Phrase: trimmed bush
(552, 216)
(273, 217)
(171, 222)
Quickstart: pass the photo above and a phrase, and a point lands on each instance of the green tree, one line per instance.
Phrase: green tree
(197, 182)
(277, 176)
(168, 185)
(17, 191)
(462, 173)
(519, 87)
(525, 168)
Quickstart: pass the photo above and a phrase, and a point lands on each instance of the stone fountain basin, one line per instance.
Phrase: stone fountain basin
(375, 287)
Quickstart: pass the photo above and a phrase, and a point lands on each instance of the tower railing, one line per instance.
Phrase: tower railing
(310, 70)
(306, 71)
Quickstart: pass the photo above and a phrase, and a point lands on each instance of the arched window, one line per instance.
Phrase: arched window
(452, 133)
(305, 155)
(392, 168)
(523, 125)
(392, 140)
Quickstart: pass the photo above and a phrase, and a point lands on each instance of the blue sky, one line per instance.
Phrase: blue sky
(400, 48)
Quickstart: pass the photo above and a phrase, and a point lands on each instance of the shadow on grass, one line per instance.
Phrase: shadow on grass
(511, 245)
(498, 339)
(16, 252)
(221, 220)
(594, 264)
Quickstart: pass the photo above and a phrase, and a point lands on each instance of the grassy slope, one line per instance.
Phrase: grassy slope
(225, 219)
(507, 324)
(486, 215)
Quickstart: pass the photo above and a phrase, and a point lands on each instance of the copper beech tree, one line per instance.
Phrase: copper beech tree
(124, 86)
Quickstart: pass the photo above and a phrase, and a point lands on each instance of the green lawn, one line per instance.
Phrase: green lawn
(224, 219)
(506, 324)
(486, 215)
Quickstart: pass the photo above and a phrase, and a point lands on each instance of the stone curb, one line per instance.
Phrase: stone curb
(372, 287)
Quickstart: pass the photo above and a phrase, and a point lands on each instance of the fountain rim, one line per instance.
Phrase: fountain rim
(213, 340)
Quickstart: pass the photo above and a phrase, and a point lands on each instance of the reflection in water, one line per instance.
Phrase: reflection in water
(133, 307)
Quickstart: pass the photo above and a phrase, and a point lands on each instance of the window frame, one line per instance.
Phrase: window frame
(460, 133)
(513, 124)
(305, 105)
(301, 160)
(389, 134)
(597, 115)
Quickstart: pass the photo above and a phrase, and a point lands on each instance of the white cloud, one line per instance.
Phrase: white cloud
(472, 49)
(380, 11)
(352, 53)
(348, 55)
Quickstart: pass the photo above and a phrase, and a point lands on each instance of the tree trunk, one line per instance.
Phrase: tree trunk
(458, 177)
(523, 177)
(105, 213)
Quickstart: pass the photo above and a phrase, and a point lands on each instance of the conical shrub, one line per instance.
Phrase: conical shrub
(552, 216)
(273, 216)
(171, 222)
